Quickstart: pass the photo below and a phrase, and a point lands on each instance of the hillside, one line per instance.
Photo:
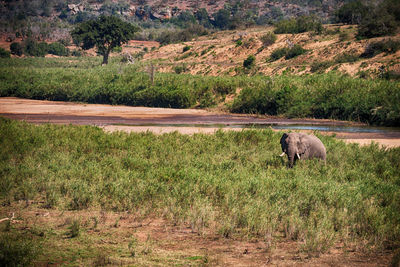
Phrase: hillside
(220, 54)
(52, 19)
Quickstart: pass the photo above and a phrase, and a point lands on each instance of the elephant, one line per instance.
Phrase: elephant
(301, 146)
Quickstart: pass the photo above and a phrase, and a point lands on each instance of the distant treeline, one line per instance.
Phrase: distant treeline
(330, 96)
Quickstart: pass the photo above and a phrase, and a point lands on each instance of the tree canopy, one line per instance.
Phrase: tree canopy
(104, 33)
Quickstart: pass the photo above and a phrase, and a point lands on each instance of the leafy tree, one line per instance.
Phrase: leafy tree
(351, 12)
(104, 33)
(222, 19)
(377, 23)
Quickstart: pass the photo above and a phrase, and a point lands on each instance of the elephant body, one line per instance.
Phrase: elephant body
(302, 146)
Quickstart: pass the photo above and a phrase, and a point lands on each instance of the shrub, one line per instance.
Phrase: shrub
(295, 51)
(4, 53)
(388, 46)
(239, 42)
(17, 250)
(344, 36)
(320, 66)
(16, 49)
(278, 53)
(268, 39)
(346, 57)
(377, 23)
(35, 49)
(299, 25)
(186, 48)
(58, 49)
(249, 62)
(180, 69)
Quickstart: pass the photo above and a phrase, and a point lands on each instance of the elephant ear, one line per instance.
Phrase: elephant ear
(283, 138)
(302, 145)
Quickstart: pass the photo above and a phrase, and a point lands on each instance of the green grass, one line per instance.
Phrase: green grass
(330, 96)
(233, 183)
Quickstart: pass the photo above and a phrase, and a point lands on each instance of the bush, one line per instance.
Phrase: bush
(58, 49)
(186, 48)
(299, 25)
(35, 49)
(249, 62)
(320, 66)
(268, 39)
(4, 53)
(16, 49)
(17, 250)
(346, 57)
(180, 69)
(295, 51)
(388, 46)
(377, 23)
(278, 53)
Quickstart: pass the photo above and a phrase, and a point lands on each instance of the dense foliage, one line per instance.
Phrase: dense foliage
(299, 25)
(374, 18)
(322, 96)
(104, 33)
(232, 183)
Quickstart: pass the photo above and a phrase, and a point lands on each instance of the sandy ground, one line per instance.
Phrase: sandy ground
(164, 120)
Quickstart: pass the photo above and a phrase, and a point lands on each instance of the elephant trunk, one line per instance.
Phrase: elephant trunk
(291, 158)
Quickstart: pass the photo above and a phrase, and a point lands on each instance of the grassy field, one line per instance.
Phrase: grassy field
(233, 184)
(330, 96)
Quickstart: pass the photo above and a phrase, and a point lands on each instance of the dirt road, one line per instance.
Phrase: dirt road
(163, 120)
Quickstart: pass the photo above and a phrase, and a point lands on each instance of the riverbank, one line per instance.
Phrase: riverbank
(166, 120)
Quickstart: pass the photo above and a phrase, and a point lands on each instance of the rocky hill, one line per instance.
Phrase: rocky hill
(52, 19)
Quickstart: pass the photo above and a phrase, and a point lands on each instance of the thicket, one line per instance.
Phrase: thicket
(31, 47)
(388, 46)
(299, 25)
(231, 183)
(84, 80)
(331, 96)
(287, 52)
(373, 19)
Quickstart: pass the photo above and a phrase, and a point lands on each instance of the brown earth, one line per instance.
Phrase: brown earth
(165, 120)
(160, 242)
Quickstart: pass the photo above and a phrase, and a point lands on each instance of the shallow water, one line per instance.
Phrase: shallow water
(322, 128)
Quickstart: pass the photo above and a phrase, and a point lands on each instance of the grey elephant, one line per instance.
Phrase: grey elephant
(302, 146)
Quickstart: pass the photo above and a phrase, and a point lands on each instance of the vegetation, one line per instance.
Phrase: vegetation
(287, 52)
(105, 34)
(374, 19)
(4, 53)
(299, 25)
(388, 46)
(230, 183)
(268, 39)
(249, 62)
(322, 96)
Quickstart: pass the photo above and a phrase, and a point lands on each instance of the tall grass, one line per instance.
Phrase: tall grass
(332, 95)
(233, 183)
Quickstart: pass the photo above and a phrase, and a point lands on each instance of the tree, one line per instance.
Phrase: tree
(104, 33)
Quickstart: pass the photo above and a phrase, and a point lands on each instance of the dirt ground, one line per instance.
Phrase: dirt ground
(160, 242)
(165, 120)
